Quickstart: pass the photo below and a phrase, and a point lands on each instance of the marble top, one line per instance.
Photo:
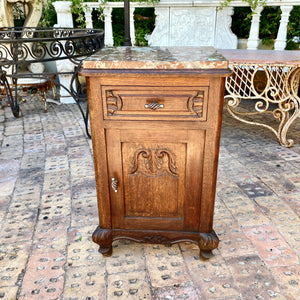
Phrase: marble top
(156, 58)
(286, 57)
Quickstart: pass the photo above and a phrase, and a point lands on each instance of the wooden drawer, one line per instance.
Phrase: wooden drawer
(155, 103)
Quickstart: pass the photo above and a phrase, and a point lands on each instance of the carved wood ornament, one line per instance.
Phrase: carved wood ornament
(113, 102)
(104, 238)
(154, 162)
(195, 104)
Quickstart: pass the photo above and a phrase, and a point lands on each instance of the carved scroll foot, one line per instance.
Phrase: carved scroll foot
(103, 237)
(207, 242)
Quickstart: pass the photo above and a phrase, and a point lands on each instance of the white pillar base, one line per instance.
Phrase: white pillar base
(66, 100)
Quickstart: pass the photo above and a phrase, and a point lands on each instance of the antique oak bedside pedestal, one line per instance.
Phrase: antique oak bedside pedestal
(155, 120)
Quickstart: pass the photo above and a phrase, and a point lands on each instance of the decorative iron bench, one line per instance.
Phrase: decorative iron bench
(270, 78)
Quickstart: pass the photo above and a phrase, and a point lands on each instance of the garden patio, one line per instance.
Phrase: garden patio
(48, 212)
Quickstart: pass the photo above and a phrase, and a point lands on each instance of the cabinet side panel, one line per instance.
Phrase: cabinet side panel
(211, 154)
(99, 151)
(194, 176)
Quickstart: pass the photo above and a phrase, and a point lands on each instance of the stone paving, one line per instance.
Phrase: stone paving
(48, 213)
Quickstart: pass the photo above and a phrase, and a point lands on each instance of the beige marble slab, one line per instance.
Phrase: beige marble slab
(156, 58)
(287, 57)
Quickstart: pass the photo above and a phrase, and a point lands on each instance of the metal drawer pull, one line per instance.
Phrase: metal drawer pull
(154, 105)
(114, 184)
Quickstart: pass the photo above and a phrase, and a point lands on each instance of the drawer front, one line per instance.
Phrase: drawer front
(155, 103)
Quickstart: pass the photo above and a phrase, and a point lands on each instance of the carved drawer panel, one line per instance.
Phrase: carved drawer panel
(150, 103)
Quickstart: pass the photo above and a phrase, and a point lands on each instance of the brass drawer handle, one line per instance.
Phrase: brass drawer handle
(154, 105)
(114, 184)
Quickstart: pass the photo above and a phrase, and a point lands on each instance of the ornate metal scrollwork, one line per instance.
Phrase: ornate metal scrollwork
(19, 46)
(271, 90)
(25, 45)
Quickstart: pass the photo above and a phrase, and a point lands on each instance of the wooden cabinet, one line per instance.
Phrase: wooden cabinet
(155, 138)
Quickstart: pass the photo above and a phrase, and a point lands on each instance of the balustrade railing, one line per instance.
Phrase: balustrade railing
(185, 22)
(107, 12)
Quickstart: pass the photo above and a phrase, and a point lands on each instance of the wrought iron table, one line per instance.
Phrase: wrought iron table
(20, 46)
(269, 81)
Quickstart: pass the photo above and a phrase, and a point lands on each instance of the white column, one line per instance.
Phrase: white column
(224, 37)
(88, 16)
(161, 33)
(280, 43)
(64, 19)
(108, 32)
(63, 13)
(132, 29)
(254, 30)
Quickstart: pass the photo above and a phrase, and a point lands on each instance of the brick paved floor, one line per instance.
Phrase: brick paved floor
(48, 213)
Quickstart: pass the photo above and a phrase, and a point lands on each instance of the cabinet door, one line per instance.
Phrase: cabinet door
(159, 176)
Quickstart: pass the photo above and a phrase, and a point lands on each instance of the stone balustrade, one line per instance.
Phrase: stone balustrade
(194, 23)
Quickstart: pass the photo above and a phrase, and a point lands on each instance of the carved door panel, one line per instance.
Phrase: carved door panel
(158, 176)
